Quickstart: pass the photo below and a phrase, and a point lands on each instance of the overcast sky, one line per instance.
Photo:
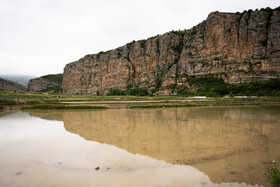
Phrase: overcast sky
(39, 37)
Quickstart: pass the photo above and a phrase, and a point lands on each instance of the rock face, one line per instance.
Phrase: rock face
(45, 83)
(9, 85)
(38, 84)
(237, 47)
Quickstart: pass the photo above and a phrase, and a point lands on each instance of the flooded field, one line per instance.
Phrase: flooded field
(196, 146)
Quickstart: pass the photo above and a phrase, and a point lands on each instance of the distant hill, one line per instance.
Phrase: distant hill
(46, 83)
(10, 85)
(20, 79)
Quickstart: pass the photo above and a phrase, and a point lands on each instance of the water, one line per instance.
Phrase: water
(209, 146)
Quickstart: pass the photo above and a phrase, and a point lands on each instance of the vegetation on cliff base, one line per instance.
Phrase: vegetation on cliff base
(215, 87)
(211, 87)
(129, 91)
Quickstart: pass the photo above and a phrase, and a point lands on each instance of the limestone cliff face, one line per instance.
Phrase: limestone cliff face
(237, 47)
(9, 85)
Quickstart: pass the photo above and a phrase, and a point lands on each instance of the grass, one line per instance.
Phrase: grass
(9, 98)
(205, 102)
(61, 107)
(215, 87)
(4, 101)
(55, 101)
(163, 105)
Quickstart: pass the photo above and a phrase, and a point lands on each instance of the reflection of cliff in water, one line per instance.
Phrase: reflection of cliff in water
(181, 135)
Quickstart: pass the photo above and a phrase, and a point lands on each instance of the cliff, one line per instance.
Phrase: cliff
(46, 83)
(9, 85)
(237, 47)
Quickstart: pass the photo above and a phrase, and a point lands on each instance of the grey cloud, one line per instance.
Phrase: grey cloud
(41, 36)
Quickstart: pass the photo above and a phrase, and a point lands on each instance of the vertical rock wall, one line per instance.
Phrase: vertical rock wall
(237, 47)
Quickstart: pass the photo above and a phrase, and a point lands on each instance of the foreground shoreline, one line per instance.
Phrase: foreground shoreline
(210, 137)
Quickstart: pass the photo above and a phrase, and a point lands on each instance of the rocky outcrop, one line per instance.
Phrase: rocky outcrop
(45, 83)
(39, 84)
(9, 85)
(237, 47)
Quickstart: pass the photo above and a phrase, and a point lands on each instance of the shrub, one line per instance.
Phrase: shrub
(129, 91)
(180, 32)
(273, 176)
(138, 92)
(216, 58)
(178, 48)
(142, 43)
(116, 92)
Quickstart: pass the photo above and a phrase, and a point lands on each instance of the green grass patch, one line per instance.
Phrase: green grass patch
(6, 101)
(273, 175)
(1, 107)
(216, 87)
(55, 78)
(11, 98)
(59, 107)
(199, 102)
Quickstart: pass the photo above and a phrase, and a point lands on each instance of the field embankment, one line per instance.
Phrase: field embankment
(10, 100)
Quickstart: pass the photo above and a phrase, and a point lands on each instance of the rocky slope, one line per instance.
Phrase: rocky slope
(46, 83)
(237, 47)
(9, 85)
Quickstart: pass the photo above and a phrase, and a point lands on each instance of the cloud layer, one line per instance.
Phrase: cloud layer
(39, 37)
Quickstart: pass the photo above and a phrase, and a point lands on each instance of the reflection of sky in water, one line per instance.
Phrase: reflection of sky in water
(37, 152)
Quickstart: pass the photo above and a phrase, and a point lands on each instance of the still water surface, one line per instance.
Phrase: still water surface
(209, 146)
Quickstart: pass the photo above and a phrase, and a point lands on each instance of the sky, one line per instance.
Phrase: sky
(39, 37)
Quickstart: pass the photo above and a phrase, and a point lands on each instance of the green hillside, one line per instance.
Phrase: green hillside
(55, 78)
